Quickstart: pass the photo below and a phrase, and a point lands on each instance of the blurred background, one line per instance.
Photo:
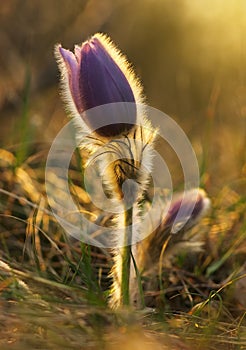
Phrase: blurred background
(191, 57)
(189, 54)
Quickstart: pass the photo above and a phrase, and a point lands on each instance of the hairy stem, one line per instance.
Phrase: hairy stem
(126, 257)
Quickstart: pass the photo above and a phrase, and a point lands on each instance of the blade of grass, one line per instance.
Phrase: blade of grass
(23, 127)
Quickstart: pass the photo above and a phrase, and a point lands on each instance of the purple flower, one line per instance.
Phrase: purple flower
(186, 213)
(94, 78)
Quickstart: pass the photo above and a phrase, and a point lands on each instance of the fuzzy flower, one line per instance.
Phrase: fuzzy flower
(117, 134)
(188, 211)
(97, 74)
(120, 137)
(182, 214)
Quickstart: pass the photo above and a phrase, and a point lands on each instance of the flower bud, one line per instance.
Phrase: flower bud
(93, 78)
(187, 212)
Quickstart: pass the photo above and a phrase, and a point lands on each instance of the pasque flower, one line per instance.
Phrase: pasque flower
(121, 137)
(97, 74)
(183, 213)
(94, 75)
(194, 205)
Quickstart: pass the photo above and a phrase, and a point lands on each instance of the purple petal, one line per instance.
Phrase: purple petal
(101, 82)
(189, 213)
(72, 67)
(77, 52)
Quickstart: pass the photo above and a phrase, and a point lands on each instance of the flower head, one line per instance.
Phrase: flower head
(96, 74)
(188, 211)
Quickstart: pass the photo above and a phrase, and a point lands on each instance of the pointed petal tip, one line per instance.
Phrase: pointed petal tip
(69, 58)
(64, 52)
(77, 53)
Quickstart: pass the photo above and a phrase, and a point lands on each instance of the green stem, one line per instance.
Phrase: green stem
(126, 258)
(139, 282)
